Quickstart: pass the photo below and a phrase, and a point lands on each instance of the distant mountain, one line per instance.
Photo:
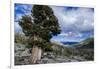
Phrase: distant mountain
(88, 43)
(69, 43)
(85, 44)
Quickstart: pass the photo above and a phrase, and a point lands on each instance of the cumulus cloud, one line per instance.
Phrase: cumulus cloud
(21, 9)
(17, 28)
(75, 22)
(80, 19)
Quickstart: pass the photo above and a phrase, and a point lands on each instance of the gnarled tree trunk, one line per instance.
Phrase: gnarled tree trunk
(36, 54)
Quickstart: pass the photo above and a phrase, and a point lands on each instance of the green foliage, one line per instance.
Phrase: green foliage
(26, 24)
(85, 44)
(40, 26)
(48, 48)
(45, 21)
(20, 38)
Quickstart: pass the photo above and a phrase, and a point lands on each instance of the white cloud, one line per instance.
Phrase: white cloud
(74, 22)
(74, 37)
(18, 17)
(17, 28)
(80, 19)
(21, 10)
(71, 34)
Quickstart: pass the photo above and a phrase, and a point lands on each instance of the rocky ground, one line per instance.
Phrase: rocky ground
(22, 56)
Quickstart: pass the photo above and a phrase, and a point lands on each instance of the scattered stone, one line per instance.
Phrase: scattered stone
(22, 56)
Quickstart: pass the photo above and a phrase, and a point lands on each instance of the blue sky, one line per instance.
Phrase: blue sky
(77, 23)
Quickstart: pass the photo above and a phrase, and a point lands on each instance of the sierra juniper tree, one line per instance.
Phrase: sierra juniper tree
(40, 26)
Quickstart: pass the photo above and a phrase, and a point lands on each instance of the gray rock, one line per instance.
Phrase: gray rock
(50, 55)
(25, 53)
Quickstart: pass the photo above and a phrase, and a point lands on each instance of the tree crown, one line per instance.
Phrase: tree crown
(42, 23)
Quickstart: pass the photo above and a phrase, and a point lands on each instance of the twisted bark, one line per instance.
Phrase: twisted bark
(36, 54)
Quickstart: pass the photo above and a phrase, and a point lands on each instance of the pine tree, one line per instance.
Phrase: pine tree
(40, 26)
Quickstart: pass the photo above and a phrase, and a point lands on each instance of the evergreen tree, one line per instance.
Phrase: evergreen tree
(40, 26)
